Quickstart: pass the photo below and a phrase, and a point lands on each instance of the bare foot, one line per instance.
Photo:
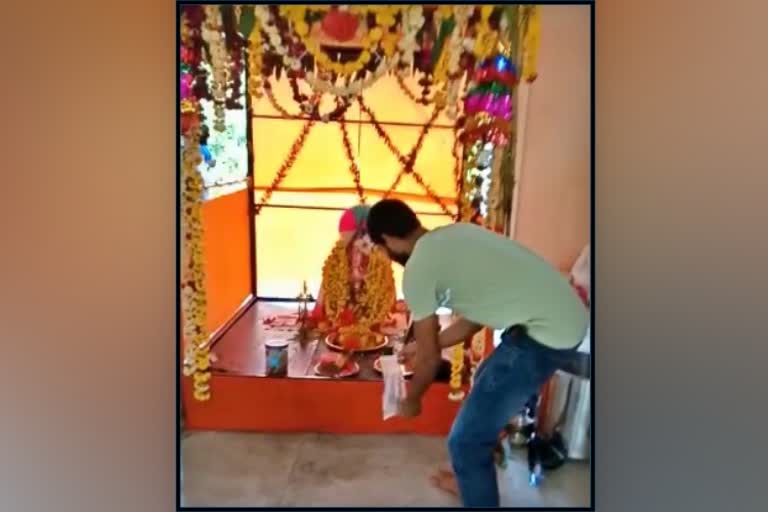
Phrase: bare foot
(444, 479)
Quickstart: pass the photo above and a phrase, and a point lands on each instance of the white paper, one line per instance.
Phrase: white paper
(394, 386)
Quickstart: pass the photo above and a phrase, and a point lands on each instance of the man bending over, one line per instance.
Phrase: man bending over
(489, 281)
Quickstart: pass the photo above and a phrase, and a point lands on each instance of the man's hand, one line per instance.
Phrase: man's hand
(407, 354)
(410, 407)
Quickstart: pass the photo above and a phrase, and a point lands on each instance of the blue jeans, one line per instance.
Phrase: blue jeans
(514, 371)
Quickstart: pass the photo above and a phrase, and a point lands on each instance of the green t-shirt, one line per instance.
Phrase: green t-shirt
(493, 281)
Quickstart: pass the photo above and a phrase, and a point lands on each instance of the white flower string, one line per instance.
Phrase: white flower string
(219, 59)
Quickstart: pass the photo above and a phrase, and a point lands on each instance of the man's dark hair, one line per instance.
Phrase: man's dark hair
(391, 217)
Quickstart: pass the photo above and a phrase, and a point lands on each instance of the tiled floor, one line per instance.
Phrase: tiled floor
(313, 470)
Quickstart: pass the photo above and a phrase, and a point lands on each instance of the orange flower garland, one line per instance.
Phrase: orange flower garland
(282, 172)
(197, 360)
(378, 294)
(193, 294)
(409, 161)
(353, 168)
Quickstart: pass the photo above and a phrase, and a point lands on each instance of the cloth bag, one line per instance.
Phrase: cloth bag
(394, 386)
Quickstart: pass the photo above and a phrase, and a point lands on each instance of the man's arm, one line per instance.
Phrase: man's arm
(427, 356)
(457, 332)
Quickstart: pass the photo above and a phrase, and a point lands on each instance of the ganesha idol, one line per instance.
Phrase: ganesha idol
(356, 305)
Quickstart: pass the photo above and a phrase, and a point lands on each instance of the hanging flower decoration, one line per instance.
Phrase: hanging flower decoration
(311, 106)
(412, 21)
(306, 113)
(255, 63)
(531, 15)
(353, 167)
(378, 293)
(486, 38)
(192, 50)
(477, 352)
(345, 24)
(234, 44)
(409, 161)
(212, 35)
(286, 166)
(456, 392)
(293, 53)
(193, 294)
(410, 94)
(457, 168)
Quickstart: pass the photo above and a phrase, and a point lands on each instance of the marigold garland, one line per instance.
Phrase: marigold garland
(193, 292)
(255, 63)
(409, 161)
(531, 15)
(235, 47)
(353, 168)
(212, 35)
(192, 49)
(456, 392)
(296, 15)
(416, 99)
(290, 53)
(486, 39)
(494, 194)
(286, 166)
(477, 352)
(457, 168)
(335, 286)
(378, 292)
(456, 50)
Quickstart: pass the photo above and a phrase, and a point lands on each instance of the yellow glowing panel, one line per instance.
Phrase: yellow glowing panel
(323, 163)
(434, 163)
(341, 200)
(292, 243)
(386, 94)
